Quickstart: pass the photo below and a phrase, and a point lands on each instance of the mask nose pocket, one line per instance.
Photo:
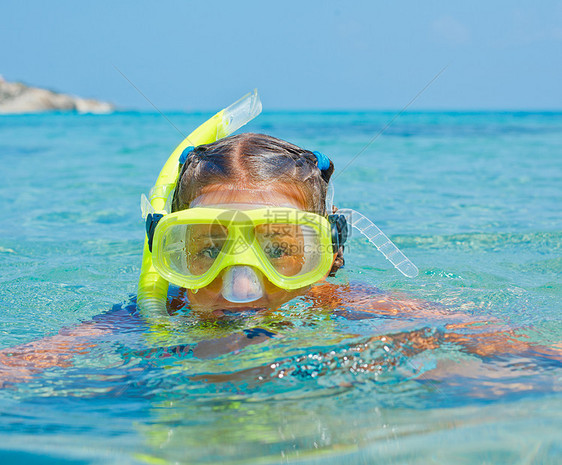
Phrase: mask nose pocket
(241, 284)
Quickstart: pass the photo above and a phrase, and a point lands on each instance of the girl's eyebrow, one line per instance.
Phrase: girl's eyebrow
(209, 236)
(270, 234)
(277, 234)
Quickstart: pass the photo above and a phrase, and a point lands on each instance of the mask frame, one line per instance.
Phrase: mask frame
(241, 226)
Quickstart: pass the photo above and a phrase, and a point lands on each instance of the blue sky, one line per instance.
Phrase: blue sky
(375, 54)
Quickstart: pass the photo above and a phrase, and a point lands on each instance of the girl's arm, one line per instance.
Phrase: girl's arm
(478, 336)
(22, 362)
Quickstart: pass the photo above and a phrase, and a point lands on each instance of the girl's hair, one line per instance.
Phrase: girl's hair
(255, 160)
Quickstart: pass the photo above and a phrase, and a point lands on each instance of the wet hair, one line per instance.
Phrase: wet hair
(255, 161)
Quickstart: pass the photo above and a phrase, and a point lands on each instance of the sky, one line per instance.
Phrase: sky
(307, 54)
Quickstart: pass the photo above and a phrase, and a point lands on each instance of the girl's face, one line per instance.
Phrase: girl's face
(209, 298)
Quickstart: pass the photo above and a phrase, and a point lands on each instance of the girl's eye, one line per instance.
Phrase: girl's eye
(276, 250)
(210, 252)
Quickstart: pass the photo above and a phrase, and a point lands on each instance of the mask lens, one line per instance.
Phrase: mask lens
(292, 249)
(191, 249)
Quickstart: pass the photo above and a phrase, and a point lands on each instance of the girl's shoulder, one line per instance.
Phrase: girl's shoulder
(357, 300)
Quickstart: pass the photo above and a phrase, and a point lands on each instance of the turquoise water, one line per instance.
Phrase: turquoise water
(472, 198)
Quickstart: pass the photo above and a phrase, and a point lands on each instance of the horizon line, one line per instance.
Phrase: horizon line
(304, 110)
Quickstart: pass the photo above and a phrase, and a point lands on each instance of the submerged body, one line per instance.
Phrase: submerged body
(366, 332)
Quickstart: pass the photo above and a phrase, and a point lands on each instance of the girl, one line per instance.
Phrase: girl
(249, 173)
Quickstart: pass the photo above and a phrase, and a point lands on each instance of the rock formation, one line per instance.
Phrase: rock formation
(16, 97)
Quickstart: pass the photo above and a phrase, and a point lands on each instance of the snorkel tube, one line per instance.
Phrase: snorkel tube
(153, 289)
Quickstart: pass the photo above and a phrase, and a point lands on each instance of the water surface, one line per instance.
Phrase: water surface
(472, 198)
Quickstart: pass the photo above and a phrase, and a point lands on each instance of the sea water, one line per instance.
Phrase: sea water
(473, 199)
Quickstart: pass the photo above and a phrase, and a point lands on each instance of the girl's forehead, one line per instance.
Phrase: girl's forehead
(274, 195)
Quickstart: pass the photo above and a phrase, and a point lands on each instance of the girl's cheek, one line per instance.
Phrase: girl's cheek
(206, 295)
(277, 296)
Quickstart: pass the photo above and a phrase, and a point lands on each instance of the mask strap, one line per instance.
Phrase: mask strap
(340, 230)
(384, 245)
(151, 221)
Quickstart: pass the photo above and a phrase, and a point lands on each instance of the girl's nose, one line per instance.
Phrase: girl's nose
(242, 284)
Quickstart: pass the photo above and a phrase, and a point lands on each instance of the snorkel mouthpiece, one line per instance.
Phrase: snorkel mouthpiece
(241, 284)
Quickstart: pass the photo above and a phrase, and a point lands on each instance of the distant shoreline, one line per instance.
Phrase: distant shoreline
(18, 98)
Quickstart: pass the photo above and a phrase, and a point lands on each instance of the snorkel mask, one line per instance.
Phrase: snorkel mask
(289, 247)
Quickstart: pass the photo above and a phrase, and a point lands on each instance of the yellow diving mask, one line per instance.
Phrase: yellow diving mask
(291, 247)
